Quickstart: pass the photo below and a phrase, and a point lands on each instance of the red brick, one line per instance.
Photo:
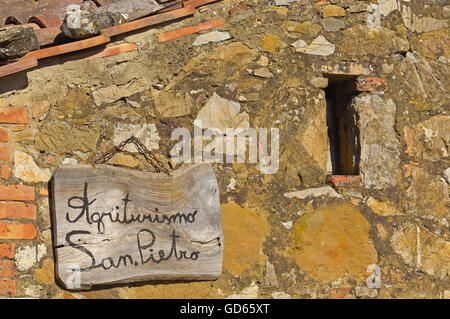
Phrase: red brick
(344, 180)
(17, 192)
(3, 134)
(6, 268)
(7, 287)
(4, 153)
(17, 211)
(7, 250)
(338, 293)
(17, 231)
(370, 84)
(16, 115)
(4, 172)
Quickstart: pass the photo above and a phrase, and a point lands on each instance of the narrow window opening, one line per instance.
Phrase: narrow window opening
(342, 122)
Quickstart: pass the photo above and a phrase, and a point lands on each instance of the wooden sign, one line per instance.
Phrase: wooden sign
(115, 225)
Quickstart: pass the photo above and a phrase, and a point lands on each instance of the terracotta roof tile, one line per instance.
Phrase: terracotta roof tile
(18, 66)
(46, 16)
(148, 21)
(189, 30)
(68, 47)
(20, 11)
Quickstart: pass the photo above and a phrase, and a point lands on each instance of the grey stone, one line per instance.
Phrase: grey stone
(113, 93)
(380, 147)
(60, 137)
(320, 82)
(362, 291)
(249, 97)
(26, 169)
(263, 73)
(130, 9)
(420, 23)
(248, 293)
(373, 19)
(263, 61)
(387, 6)
(173, 104)
(219, 114)
(83, 20)
(357, 8)
(242, 16)
(16, 41)
(69, 161)
(146, 133)
(447, 174)
(82, 23)
(213, 36)
(313, 192)
(433, 206)
(284, 2)
(446, 12)
(299, 44)
(333, 24)
(270, 278)
(281, 295)
(27, 256)
(422, 249)
(319, 46)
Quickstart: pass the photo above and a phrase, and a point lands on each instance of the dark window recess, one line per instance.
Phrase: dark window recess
(342, 121)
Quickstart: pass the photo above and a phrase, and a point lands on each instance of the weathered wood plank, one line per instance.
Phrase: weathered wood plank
(115, 225)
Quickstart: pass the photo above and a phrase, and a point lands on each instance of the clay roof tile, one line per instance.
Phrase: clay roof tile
(46, 16)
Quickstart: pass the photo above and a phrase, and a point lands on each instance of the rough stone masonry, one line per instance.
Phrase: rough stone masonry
(308, 231)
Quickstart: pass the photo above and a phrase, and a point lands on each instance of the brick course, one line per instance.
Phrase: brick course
(3, 134)
(7, 250)
(4, 172)
(17, 192)
(17, 211)
(4, 153)
(6, 268)
(17, 231)
(7, 287)
(14, 115)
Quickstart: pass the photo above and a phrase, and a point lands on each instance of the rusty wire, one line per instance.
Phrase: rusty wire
(149, 156)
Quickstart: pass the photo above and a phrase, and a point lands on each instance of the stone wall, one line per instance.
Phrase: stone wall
(293, 234)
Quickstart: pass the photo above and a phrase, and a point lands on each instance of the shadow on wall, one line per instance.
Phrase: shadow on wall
(19, 80)
(13, 82)
(342, 122)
